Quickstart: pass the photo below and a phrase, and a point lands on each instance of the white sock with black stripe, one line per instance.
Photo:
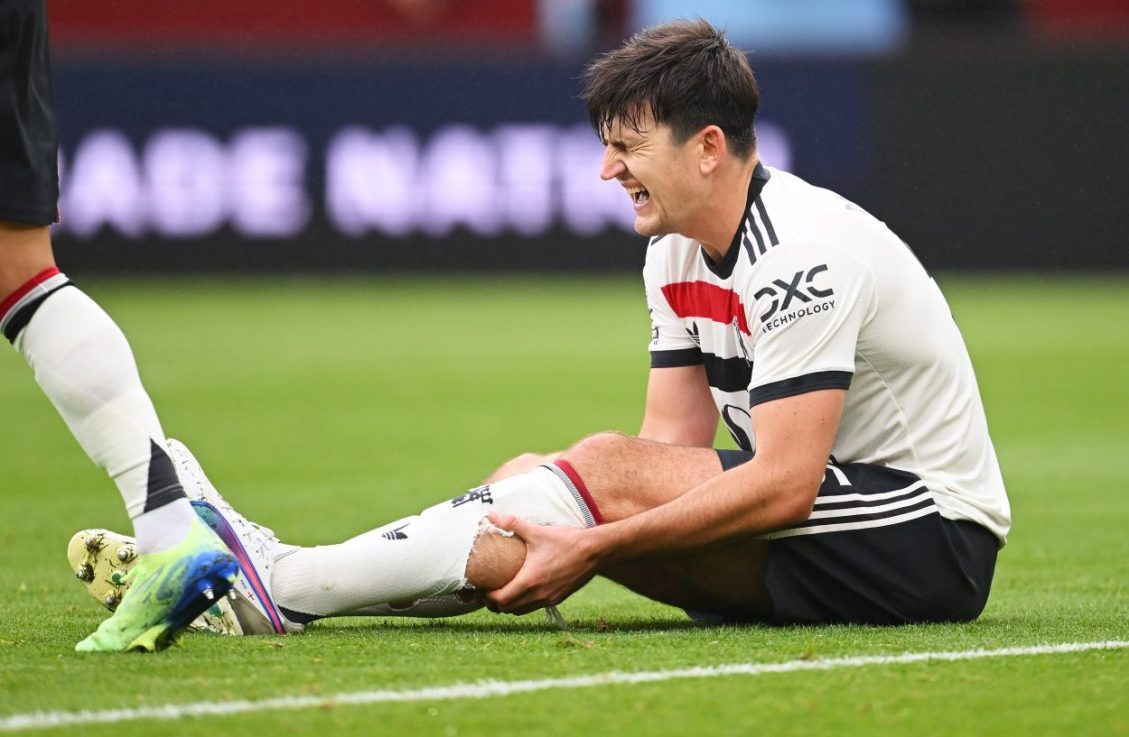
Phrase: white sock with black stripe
(84, 365)
(423, 556)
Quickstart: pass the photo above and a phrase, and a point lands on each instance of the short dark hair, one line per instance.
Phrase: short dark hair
(686, 73)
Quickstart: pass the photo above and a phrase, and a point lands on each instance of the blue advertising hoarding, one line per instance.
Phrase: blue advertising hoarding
(299, 164)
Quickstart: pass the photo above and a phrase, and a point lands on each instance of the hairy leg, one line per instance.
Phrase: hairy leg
(447, 547)
(725, 581)
(627, 475)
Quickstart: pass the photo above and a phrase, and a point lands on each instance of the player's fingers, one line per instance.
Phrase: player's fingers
(501, 599)
(502, 521)
(516, 597)
(510, 523)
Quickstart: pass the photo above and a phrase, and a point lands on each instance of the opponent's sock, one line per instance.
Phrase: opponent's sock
(84, 365)
(164, 527)
(424, 556)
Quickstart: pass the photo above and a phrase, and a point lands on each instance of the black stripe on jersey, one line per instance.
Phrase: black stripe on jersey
(799, 385)
(724, 269)
(767, 223)
(682, 357)
(754, 228)
(20, 320)
(751, 227)
(723, 374)
(748, 246)
(727, 374)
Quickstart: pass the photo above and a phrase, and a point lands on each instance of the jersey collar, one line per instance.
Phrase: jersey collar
(723, 269)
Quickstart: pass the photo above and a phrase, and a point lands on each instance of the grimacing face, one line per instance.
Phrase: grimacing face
(658, 175)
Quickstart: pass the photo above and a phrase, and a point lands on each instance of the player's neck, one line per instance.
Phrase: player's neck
(731, 201)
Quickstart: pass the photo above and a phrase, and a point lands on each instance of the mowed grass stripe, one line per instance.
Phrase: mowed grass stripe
(491, 689)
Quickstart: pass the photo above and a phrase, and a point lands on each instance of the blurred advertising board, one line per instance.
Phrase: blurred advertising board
(335, 166)
(1001, 159)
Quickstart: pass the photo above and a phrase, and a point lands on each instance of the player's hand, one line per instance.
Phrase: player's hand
(557, 563)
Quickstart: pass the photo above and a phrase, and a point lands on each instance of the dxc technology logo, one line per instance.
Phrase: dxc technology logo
(802, 290)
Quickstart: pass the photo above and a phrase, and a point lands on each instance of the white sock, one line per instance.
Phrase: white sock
(164, 527)
(84, 364)
(431, 607)
(423, 556)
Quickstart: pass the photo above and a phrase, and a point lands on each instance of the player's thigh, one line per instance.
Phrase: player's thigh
(626, 475)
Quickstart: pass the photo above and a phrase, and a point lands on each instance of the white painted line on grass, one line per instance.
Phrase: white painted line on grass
(489, 689)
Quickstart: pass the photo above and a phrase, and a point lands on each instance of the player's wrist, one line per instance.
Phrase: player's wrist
(606, 545)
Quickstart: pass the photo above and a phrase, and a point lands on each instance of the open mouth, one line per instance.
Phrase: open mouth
(639, 195)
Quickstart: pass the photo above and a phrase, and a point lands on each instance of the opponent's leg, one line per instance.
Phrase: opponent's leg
(82, 361)
(85, 367)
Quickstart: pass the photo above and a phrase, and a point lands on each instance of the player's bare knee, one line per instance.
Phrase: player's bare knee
(495, 558)
(596, 450)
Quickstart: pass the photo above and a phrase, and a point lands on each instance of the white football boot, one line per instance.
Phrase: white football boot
(100, 560)
(253, 545)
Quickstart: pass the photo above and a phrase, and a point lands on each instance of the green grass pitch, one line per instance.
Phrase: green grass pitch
(324, 407)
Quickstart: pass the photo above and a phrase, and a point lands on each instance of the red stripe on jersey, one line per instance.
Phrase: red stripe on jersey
(31, 284)
(702, 299)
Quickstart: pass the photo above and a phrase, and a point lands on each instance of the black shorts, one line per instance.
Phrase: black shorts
(876, 551)
(29, 137)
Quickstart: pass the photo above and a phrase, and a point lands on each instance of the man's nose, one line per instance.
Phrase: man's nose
(611, 167)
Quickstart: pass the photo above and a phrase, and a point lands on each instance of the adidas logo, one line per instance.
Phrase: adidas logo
(395, 534)
(478, 494)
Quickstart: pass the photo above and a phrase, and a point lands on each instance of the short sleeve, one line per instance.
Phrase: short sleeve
(670, 345)
(808, 303)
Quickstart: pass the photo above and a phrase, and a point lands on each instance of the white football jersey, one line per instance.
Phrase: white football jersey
(815, 293)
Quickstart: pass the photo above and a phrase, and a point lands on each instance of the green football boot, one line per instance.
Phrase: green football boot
(102, 558)
(165, 592)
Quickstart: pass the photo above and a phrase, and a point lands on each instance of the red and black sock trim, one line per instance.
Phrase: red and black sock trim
(18, 307)
(572, 479)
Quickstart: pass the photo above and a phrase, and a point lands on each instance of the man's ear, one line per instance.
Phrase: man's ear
(712, 148)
